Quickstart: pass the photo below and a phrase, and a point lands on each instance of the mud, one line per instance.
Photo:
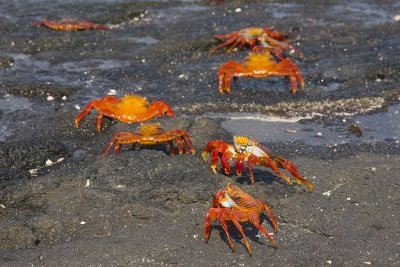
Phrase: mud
(63, 203)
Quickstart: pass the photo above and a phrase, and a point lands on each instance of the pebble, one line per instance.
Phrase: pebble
(77, 107)
(327, 193)
(33, 171)
(50, 98)
(112, 92)
(396, 18)
(64, 98)
(238, 10)
(49, 162)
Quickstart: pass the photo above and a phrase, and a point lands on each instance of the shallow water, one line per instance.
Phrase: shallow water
(381, 127)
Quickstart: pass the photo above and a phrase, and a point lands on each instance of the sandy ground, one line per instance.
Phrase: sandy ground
(145, 207)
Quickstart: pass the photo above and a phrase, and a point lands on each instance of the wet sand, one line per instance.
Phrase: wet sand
(145, 207)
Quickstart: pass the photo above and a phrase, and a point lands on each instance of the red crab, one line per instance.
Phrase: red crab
(233, 204)
(150, 135)
(259, 63)
(248, 150)
(128, 109)
(268, 37)
(70, 24)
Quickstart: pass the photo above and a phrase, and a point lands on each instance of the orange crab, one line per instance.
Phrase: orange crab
(70, 24)
(268, 37)
(150, 135)
(128, 109)
(259, 63)
(245, 149)
(233, 204)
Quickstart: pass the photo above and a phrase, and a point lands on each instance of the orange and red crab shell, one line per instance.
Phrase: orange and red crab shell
(259, 64)
(128, 109)
(249, 151)
(70, 24)
(150, 135)
(267, 37)
(233, 204)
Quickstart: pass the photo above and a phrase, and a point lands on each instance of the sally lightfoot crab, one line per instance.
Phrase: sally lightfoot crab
(128, 109)
(267, 37)
(150, 135)
(259, 63)
(70, 24)
(247, 150)
(233, 204)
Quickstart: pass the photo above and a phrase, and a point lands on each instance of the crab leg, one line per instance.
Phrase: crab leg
(275, 34)
(225, 227)
(231, 68)
(214, 160)
(266, 161)
(207, 223)
(240, 228)
(217, 213)
(242, 44)
(118, 140)
(188, 142)
(238, 41)
(275, 43)
(226, 43)
(227, 82)
(171, 148)
(270, 214)
(226, 166)
(94, 104)
(239, 166)
(99, 121)
(287, 68)
(117, 149)
(290, 167)
(85, 112)
(108, 147)
(250, 167)
(255, 221)
(184, 144)
(180, 146)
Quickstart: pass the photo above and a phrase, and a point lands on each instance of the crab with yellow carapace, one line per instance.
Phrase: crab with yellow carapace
(258, 64)
(152, 134)
(128, 109)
